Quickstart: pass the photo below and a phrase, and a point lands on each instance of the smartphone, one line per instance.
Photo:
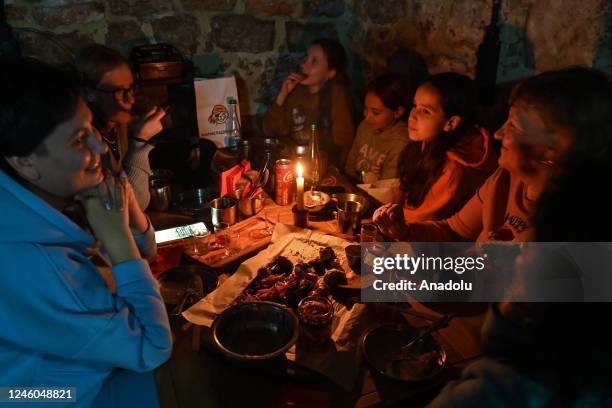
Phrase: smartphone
(183, 231)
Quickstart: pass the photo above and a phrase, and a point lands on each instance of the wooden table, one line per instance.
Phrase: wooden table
(204, 378)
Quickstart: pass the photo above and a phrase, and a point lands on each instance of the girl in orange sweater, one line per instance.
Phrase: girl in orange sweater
(452, 156)
(551, 115)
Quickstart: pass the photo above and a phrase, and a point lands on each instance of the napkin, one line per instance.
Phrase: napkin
(385, 191)
(230, 179)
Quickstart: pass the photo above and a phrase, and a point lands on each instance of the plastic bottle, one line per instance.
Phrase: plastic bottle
(232, 127)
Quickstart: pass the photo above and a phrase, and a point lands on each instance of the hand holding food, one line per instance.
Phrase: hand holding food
(288, 86)
(151, 123)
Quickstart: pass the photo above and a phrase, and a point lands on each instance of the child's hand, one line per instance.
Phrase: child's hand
(151, 124)
(288, 86)
(390, 220)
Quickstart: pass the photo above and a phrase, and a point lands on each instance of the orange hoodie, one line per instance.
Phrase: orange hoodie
(467, 167)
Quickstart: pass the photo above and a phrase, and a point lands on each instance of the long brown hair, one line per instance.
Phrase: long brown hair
(419, 167)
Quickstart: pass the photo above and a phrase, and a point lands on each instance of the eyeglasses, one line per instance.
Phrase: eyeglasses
(120, 94)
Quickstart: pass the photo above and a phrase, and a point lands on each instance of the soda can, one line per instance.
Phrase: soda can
(284, 182)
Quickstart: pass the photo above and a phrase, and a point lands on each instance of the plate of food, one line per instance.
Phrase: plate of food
(286, 282)
(296, 265)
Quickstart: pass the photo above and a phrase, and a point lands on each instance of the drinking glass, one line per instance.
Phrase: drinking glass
(316, 314)
(221, 236)
(198, 244)
(369, 233)
(233, 245)
(265, 231)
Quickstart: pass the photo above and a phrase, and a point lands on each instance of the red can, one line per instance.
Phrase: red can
(284, 182)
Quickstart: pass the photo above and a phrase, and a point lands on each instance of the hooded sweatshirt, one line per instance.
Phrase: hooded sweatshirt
(466, 168)
(59, 324)
(301, 108)
(377, 152)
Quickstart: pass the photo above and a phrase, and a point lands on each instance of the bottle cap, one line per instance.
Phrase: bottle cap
(313, 126)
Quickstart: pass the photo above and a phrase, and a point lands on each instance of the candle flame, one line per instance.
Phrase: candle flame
(300, 170)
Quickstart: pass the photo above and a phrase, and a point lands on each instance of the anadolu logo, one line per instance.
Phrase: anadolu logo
(218, 115)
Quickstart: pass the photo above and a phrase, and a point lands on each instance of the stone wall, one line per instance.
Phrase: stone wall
(260, 41)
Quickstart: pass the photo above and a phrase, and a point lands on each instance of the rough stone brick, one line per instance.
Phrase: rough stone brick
(182, 31)
(382, 12)
(565, 33)
(124, 35)
(139, 8)
(239, 33)
(53, 14)
(14, 12)
(268, 8)
(299, 35)
(209, 5)
(52, 47)
(322, 8)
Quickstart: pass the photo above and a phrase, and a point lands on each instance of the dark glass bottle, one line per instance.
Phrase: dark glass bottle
(314, 156)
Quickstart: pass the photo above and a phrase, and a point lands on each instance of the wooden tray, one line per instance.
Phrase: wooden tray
(252, 239)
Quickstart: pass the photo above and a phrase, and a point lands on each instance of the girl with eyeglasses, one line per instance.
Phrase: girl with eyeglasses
(109, 92)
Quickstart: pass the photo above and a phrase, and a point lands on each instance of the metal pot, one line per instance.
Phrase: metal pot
(160, 190)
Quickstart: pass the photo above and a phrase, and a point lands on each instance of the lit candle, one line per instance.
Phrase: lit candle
(300, 187)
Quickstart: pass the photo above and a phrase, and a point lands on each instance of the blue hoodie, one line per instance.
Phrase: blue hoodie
(59, 324)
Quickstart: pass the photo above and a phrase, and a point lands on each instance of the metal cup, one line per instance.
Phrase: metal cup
(223, 210)
(251, 206)
(160, 194)
(349, 217)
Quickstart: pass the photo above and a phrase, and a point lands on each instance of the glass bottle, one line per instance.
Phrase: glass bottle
(315, 159)
(232, 127)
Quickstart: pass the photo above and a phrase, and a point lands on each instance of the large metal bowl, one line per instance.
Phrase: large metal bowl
(255, 331)
(194, 201)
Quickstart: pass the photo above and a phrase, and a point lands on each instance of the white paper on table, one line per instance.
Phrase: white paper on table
(204, 312)
(385, 191)
(340, 361)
